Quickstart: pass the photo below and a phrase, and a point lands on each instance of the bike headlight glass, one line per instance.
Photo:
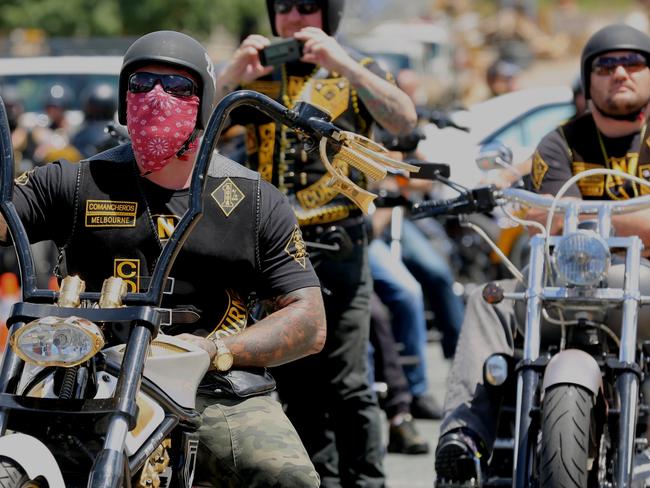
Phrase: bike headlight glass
(582, 258)
(56, 341)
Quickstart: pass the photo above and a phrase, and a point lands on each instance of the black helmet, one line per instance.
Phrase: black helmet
(615, 37)
(99, 101)
(176, 49)
(332, 13)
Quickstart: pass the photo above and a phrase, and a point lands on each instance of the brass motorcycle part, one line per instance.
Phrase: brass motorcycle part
(385, 160)
(71, 289)
(113, 291)
(366, 165)
(375, 151)
(341, 183)
(155, 464)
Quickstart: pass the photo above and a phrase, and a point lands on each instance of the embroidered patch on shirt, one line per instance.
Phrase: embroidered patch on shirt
(227, 196)
(109, 213)
(165, 225)
(129, 271)
(23, 179)
(235, 316)
(539, 171)
(296, 247)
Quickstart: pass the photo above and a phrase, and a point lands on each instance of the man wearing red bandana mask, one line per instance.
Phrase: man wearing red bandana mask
(161, 125)
(118, 208)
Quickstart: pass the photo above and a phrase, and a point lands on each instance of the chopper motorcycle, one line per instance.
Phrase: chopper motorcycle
(572, 405)
(92, 392)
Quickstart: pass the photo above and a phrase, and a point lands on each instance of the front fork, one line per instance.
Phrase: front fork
(108, 469)
(528, 378)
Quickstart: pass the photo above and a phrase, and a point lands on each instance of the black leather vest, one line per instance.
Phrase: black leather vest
(115, 232)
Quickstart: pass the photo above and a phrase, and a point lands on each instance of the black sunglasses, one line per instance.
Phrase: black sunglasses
(606, 65)
(177, 85)
(305, 7)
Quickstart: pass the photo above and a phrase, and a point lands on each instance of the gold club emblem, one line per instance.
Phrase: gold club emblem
(539, 170)
(296, 247)
(228, 196)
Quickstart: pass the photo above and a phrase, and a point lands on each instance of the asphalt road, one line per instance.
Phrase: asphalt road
(416, 471)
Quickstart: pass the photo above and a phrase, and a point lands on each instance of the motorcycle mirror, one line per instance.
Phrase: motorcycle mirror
(494, 155)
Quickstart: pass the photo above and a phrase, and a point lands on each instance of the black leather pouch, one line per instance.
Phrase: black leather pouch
(238, 383)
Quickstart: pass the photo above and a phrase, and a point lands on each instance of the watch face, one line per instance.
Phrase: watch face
(223, 362)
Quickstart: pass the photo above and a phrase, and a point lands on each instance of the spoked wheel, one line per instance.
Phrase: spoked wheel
(569, 439)
(12, 476)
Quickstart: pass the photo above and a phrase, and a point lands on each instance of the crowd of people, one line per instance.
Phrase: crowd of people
(336, 320)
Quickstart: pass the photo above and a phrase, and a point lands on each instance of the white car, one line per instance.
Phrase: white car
(34, 77)
(519, 120)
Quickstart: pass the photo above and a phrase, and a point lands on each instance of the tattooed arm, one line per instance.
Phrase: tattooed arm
(296, 329)
(388, 105)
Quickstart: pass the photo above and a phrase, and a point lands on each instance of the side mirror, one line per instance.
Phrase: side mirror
(494, 155)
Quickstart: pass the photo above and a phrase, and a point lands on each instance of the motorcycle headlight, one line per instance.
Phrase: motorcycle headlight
(495, 370)
(582, 258)
(55, 341)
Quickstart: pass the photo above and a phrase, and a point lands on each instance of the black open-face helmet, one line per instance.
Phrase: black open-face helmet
(615, 37)
(332, 13)
(175, 49)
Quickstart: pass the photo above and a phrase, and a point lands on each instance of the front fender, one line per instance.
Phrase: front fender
(33, 457)
(575, 367)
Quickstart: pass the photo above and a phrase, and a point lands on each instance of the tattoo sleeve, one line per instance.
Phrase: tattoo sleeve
(295, 329)
(388, 105)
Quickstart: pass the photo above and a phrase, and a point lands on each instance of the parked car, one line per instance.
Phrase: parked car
(519, 120)
(36, 78)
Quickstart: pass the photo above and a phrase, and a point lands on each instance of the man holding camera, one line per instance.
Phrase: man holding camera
(328, 398)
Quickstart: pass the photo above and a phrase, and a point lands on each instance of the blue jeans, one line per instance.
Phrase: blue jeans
(437, 280)
(402, 294)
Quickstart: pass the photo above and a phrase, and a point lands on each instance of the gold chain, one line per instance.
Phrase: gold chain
(288, 102)
(603, 150)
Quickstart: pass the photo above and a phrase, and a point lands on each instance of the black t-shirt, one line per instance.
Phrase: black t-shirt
(219, 265)
(578, 146)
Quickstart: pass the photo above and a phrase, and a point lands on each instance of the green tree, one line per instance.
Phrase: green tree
(128, 17)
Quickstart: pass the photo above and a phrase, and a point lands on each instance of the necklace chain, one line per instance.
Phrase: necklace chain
(603, 150)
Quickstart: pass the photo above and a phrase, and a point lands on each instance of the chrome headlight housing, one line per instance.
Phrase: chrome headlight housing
(582, 258)
(56, 341)
(495, 370)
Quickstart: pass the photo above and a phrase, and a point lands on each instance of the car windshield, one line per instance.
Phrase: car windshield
(33, 88)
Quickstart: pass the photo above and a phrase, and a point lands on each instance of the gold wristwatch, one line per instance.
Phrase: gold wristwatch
(223, 359)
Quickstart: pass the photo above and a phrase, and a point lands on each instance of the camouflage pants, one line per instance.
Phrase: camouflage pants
(251, 443)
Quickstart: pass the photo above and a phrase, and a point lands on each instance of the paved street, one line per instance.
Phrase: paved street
(417, 471)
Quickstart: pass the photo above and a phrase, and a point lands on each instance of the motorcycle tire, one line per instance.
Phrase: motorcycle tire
(11, 476)
(567, 413)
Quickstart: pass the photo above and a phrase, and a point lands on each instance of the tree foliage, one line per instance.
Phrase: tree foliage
(128, 17)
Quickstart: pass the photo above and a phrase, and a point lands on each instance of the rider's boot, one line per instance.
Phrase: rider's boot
(459, 460)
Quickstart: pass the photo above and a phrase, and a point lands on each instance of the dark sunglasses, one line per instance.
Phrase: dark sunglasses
(305, 7)
(606, 65)
(177, 85)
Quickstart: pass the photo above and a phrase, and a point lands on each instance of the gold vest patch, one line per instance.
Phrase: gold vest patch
(296, 247)
(129, 271)
(235, 317)
(109, 213)
(228, 196)
(331, 94)
(593, 186)
(540, 168)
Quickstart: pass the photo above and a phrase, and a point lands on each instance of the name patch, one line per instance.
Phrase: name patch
(108, 213)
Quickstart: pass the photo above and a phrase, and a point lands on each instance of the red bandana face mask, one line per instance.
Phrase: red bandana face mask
(159, 124)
